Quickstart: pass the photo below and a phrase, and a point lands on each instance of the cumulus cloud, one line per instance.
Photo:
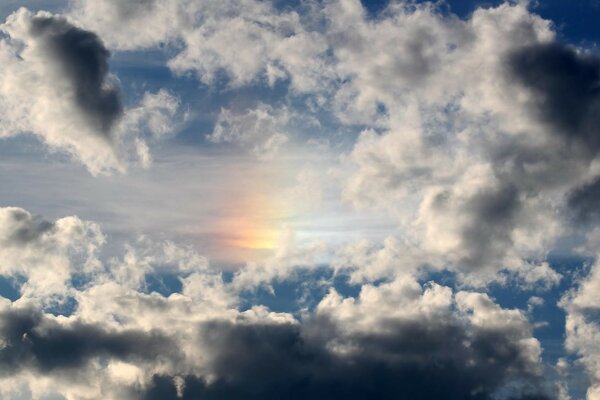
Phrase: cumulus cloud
(33, 340)
(473, 157)
(154, 119)
(122, 341)
(46, 254)
(583, 202)
(582, 329)
(267, 360)
(56, 84)
(564, 84)
(248, 40)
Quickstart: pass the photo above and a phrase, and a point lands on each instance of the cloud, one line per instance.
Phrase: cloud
(470, 157)
(327, 358)
(476, 137)
(365, 261)
(122, 342)
(247, 40)
(148, 21)
(263, 129)
(46, 254)
(156, 118)
(581, 305)
(56, 85)
(583, 202)
(33, 340)
(564, 84)
(436, 94)
(84, 61)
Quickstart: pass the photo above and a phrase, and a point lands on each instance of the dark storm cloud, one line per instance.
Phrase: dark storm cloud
(84, 61)
(32, 340)
(584, 202)
(566, 85)
(418, 360)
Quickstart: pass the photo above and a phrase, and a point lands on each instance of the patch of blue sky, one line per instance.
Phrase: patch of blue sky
(10, 287)
(165, 283)
(65, 307)
(301, 292)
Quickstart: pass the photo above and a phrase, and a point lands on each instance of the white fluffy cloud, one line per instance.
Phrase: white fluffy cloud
(464, 153)
(582, 329)
(247, 39)
(47, 254)
(56, 84)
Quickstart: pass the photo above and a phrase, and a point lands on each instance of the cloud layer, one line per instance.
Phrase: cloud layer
(475, 137)
(123, 342)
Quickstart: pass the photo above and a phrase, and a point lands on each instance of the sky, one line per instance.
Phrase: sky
(299, 199)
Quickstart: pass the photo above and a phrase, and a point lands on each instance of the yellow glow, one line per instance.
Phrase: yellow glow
(251, 223)
(252, 208)
(254, 238)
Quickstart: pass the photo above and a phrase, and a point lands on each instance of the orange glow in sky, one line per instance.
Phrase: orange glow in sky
(250, 223)
(250, 235)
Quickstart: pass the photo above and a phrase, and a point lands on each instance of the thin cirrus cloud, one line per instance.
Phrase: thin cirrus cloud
(364, 204)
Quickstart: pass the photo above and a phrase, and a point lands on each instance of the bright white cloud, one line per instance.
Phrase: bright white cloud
(56, 85)
(582, 328)
(47, 254)
(247, 39)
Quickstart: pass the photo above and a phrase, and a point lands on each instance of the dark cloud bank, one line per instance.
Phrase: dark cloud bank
(32, 340)
(428, 359)
(418, 361)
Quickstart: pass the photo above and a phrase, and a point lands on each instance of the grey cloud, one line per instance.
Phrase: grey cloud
(84, 61)
(416, 360)
(583, 202)
(566, 86)
(27, 228)
(32, 340)
(493, 214)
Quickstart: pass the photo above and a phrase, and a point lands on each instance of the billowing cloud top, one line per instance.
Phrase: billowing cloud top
(303, 200)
